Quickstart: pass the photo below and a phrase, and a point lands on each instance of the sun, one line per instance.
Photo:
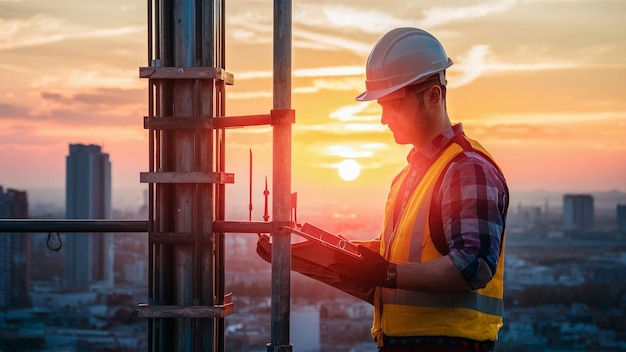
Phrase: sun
(349, 169)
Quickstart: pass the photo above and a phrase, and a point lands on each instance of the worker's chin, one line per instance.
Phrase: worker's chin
(400, 140)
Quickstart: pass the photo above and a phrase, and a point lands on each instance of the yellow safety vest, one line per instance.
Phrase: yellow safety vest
(475, 314)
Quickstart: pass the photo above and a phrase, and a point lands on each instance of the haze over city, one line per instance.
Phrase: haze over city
(538, 82)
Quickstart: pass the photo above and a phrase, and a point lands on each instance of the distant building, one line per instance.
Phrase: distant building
(88, 257)
(14, 253)
(578, 212)
(526, 217)
(305, 328)
(135, 272)
(621, 217)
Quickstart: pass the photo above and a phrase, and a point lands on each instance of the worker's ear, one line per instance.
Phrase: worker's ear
(434, 94)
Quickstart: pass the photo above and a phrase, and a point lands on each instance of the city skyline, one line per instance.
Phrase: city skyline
(14, 252)
(543, 97)
(88, 257)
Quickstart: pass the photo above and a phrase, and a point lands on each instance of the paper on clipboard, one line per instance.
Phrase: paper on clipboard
(314, 256)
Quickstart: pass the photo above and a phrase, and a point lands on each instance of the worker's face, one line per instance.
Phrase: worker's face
(406, 117)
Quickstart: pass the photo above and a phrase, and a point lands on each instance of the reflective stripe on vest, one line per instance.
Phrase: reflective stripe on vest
(473, 314)
(471, 300)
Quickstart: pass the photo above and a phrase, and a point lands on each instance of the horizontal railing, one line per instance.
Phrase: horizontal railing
(72, 225)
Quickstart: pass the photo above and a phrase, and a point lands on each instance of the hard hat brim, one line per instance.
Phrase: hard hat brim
(373, 95)
(379, 93)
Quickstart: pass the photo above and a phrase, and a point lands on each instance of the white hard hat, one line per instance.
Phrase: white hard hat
(402, 57)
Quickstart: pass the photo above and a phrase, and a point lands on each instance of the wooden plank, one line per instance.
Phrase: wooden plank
(186, 177)
(187, 73)
(177, 122)
(205, 122)
(241, 121)
(192, 312)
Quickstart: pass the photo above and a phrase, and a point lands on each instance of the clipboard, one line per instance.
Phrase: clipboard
(314, 257)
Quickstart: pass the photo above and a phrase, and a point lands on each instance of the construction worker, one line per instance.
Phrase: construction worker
(437, 267)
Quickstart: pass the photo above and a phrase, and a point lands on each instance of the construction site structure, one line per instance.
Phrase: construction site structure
(187, 174)
(187, 128)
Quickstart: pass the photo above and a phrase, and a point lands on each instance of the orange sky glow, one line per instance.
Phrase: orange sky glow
(539, 83)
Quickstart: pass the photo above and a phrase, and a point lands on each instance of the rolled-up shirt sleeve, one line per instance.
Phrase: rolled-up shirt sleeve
(473, 200)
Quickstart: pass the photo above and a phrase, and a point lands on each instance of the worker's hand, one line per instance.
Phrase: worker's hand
(367, 273)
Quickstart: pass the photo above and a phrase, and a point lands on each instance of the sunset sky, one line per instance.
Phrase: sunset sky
(540, 83)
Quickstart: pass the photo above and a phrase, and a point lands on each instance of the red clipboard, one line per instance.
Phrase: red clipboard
(314, 257)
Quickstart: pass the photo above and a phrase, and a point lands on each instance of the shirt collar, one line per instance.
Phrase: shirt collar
(432, 148)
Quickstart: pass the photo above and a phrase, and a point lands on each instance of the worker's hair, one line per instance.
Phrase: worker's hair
(426, 84)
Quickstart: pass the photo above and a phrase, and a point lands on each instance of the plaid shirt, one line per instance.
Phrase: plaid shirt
(471, 204)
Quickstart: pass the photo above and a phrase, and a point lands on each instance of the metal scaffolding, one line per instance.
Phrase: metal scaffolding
(187, 175)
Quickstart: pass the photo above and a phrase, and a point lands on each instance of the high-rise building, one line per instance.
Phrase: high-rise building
(305, 328)
(89, 257)
(14, 252)
(578, 211)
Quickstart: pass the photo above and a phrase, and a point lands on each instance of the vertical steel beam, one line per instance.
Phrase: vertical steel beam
(183, 152)
(206, 267)
(183, 34)
(219, 55)
(281, 201)
(190, 33)
(164, 339)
